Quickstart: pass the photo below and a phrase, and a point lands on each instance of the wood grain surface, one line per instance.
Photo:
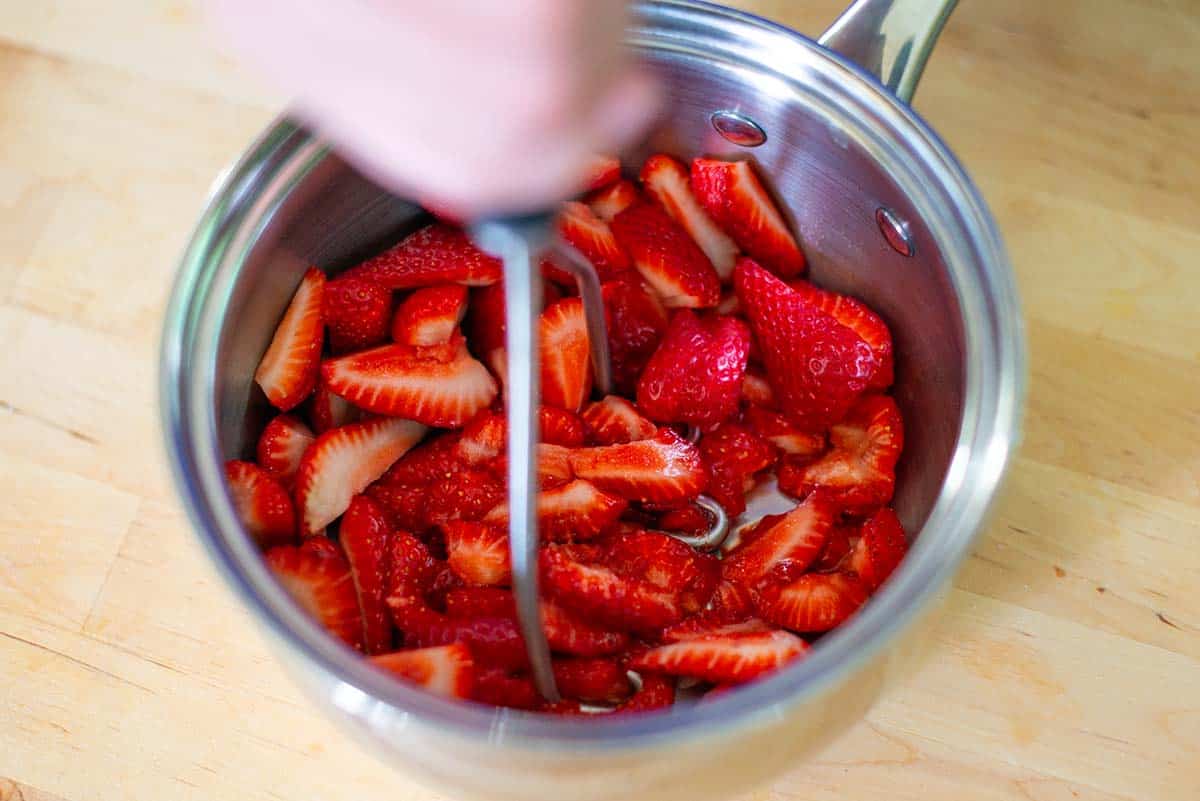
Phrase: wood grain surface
(1068, 665)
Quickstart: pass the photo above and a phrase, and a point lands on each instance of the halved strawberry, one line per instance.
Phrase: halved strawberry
(783, 550)
(591, 236)
(666, 257)
(666, 179)
(598, 681)
(636, 321)
(560, 427)
(731, 603)
(356, 312)
(665, 469)
(879, 549)
(817, 366)
(612, 200)
(855, 315)
(690, 519)
(569, 633)
(435, 254)
(465, 495)
(446, 670)
(734, 454)
(317, 575)
(262, 504)
(737, 657)
(666, 563)
(781, 433)
(859, 471)
(437, 457)
(439, 385)
(493, 641)
(288, 370)
(478, 552)
(280, 446)
(602, 171)
(576, 510)
(430, 316)
(756, 390)
(613, 420)
(566, 364)
(695, 376)
(704, 625)
(553, 466)
(599, 593)
(738, 202)
(497, 687)
(412, 570)
(342, 462)
(468, 602)
(837, 546)
(327, 410)
(812, 603)
(656, 692)
(364, 534)
(484, 437)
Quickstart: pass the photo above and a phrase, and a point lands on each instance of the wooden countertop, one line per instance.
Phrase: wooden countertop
(1068, 665)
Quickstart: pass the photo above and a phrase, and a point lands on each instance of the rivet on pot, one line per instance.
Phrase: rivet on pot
(895, 231)
(738, 128)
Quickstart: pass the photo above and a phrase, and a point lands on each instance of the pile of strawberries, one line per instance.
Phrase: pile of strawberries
(379, 494)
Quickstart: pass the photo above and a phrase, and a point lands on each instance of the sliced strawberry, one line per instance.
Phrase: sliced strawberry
(466, 495)
(636, 322)
(568, 633)
(756, 390)
(262, 504)
(737, 658)
(731, 603)
(695, 376)
(597, 681)
(602, 171)
(665, 469)
(446, 670)
(784, 550)
(734, 455)
(486, 324)
(435, 254)
(599, 593)
(280, 446)
(435, 458)
(467, 602)
(859, 471)
(406, 506)
(494, 641)
(317, 576)
(666, 256)
(342, 462)
(430, 316)
(566, 364)
(666, 179)
(879, 550)
(817, 366)
(439, 385)
(560, 427)
(666, 563)
(591, 236)
(412, 570)
(690, 520)
(484, 437)
(497, 687)
(613, 420)
(365, 535)
(855, 315)
(553, 467)
(657, 692)
(356, 313)
(738, 202)
(576, 510)
(327, 410)
(836, 548)
(288, 370)
(706, 626)
(612, 200)
(781, 433)
(478, 552)
(729, 302)
(814, 602)
(556, 275)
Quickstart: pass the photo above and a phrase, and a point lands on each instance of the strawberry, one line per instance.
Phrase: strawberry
(777, 430)
(412, 570)
(327, 410)
(613, 420)
(468, 602)
(602, 171)
(879, 549)
(756, 390)
(356, 313)
(656, 692)
(737, 657)
(855, 315)
(666, 563)
(566, 706)
(446, 670)
(783, 550)
(483, 438)
(812, 603)
(486, 323)
(570, 634)
(665, 469)
(576, 510)
(734, 455)
(598, 681)
(288, 370)
(280, 446)
(612, 200)
(560, 427)
(859, 471)
(364, 534)
(566, 364)
(553, 466)
(317, 576)
(729, 302)
(435, 254)
(666, 257)
(817, 366)
(496, 687)
(600, 593)
(738, 202)
(478, 552)
(690, 520)
(261, 503)
(557, 276)
(342, 462)
(705, 625)
(466, 495)
(666, 180)
(636, 322)
(494, 641)
(695, 376)
(592, 237)
(435, 458)
(439, 385)
(837, 546)
(731, 603)
(430, 316)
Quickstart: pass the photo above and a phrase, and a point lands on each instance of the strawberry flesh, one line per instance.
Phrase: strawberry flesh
(318, 577)
(731, 657)
(429, 316)
(365, 535)
(281, 446)
(593, 238)
(666, 180)
(435, 254)
(667, 258)
(262, 504)
(664, 469)
(289, 368)
(815, 602)
(446, 670)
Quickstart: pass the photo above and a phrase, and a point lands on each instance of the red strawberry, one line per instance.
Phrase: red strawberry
(667, 181)
(613, 420)
(836, 548)
(783, 550)
(327, 410)
(734, 658)
(599, 593)
(734, 454)
(817, 366)
(666, 256)
(412, 570)
(612, 200)
(478, 552)
(859, 471)
(430, 316)
(775, 428)
(665, 469)
(494, 641)
(739, 203)
(855, 315)
(602, 171)
(598, 681)
(729, 302)
(435, 458)
(636, 322)
(288, 370)
(814, 602)
(496, 687)
(879, 550)
(439, 385)
(317, 576)
(657, 692)
(756, 390)
(705, 625)
(486, 324)
(556, 276)
(356, 312)
(691, 520)
(280, 446)
(262, 504)
(468, 602)
(435, 254)
(594, 240)
(570, 634)
(731, 603)
(560, 427)
(577, 510)
(364, 534)
(483, 438)
(465, 495)
(695, 376)
(566, 363)
(443, 670)
(342, 462)
(666, 563)
(553, 467)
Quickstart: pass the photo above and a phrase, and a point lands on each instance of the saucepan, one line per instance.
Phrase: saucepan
(884, 212)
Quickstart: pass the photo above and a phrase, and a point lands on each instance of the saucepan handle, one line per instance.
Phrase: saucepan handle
(892, 39)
